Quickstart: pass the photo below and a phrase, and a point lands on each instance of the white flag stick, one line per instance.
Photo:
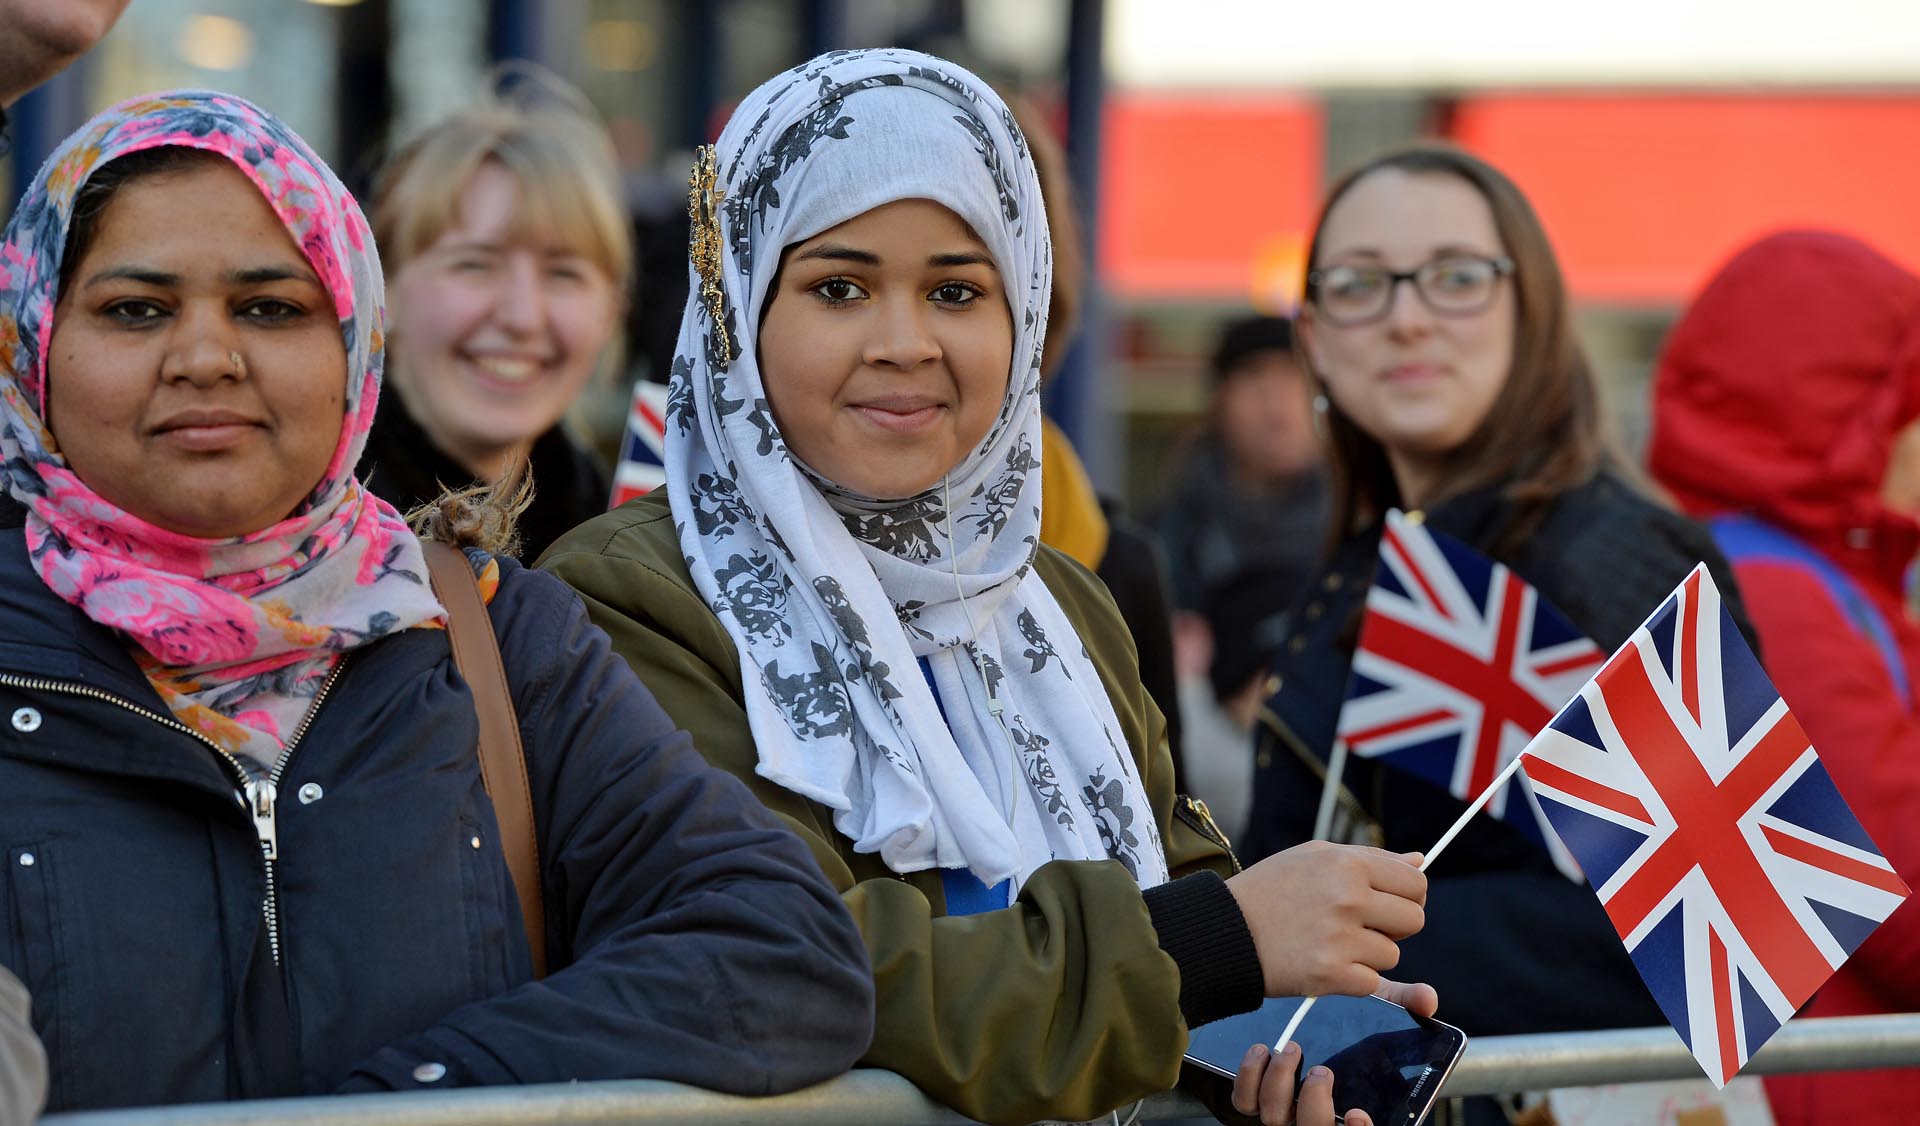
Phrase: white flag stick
(1322, 827)
(1479, 803)
(1336, 766)
(1293, 1023)
(1446, 838)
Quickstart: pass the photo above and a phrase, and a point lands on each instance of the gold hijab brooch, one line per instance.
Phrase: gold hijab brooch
(705, 246)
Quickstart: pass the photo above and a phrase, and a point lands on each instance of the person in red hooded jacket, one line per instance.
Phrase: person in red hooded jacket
(1787, 413)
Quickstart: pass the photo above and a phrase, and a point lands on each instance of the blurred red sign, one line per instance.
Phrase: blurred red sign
(1646, 195)
(1207, 196)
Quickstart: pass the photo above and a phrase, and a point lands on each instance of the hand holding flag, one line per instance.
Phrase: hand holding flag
(1726, 858)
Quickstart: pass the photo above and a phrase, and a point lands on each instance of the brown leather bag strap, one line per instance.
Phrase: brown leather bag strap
(503, 762)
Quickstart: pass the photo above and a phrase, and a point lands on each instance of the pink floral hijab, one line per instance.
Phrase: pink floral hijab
(236, 635)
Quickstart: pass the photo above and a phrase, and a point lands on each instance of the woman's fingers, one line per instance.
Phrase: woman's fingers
(1246, 1082)
(1264, 1085)
(1417, 997)
(1325, 918)
(1276, 1088)
(1393, 875)
(1375, 951)
(1316, 1098)
(1395, 916)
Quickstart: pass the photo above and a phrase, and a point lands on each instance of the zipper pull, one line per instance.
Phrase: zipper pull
(260, 797)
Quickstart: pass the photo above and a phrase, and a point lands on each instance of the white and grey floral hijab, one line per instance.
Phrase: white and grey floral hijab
(830, 597)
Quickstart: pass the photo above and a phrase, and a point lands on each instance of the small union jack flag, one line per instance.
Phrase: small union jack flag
(1729, 863)
(1459, 663)
(643, 452)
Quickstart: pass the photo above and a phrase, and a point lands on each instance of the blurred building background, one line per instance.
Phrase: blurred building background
(1654, 136)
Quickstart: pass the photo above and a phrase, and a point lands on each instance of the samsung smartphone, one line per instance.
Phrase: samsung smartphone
(1385, 1060)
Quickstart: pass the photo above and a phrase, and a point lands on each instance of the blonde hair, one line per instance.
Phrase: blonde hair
(551, 143)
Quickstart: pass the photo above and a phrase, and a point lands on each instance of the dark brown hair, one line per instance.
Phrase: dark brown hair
(90, 202)
(1545, 433)
(484, 515)
(1063, 223)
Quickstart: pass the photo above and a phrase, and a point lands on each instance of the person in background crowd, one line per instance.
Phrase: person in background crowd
(248, 847)
(1249, 495)
(1438, 329)
(841, 594)
(1090, 528)
(1246, 617)
(23, 1062)
(1251, 490)
(503, 231)
(1787, 414)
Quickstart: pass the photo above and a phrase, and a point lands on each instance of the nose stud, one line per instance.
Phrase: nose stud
(239, 363)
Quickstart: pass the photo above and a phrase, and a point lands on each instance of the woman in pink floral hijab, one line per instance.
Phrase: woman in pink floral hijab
(199, 602)
(237, 632)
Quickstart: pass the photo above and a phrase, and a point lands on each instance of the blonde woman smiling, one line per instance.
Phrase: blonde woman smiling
(502, 229)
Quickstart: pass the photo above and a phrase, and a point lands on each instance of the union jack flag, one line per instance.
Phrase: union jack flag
(643, 452)
(1459, 663)
(1729, 863)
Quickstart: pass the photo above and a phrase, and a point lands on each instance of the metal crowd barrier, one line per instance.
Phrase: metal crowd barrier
(1492, 1065)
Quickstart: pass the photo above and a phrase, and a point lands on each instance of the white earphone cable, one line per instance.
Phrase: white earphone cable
(994, 708)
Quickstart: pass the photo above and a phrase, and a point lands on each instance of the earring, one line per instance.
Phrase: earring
(1321, 407)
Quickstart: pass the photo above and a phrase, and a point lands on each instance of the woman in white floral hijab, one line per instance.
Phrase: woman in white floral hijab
(842, 596)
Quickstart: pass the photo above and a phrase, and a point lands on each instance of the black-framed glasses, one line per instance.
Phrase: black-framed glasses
(1453, 285)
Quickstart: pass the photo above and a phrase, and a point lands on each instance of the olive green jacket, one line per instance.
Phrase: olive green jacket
(1061, 1006)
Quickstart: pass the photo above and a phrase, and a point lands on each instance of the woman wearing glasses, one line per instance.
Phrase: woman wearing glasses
(1438, 332)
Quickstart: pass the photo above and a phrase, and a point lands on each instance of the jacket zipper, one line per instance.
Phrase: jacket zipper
(1199, 818)
(257, 797)
(261, 796)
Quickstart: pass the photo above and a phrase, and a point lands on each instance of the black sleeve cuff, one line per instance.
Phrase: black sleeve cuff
(1200, 926)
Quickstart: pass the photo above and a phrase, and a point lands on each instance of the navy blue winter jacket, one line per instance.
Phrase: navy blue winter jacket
(691, 936)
